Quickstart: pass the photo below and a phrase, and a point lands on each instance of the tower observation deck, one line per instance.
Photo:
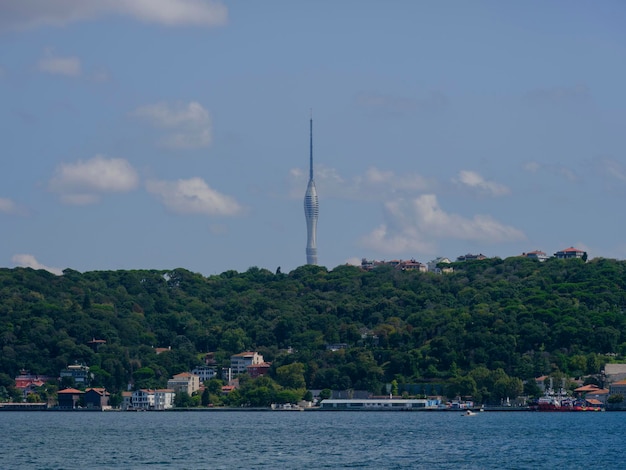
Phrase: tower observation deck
(311, 208)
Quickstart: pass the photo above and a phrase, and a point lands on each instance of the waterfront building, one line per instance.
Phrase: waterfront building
(96, 398)
(69, 398)
(311, 208)
(146, 399)
(375, 404)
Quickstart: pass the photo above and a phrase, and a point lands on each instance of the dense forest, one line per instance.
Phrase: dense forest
(482, 330)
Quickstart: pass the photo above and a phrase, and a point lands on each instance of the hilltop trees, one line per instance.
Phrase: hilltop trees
(481, 330)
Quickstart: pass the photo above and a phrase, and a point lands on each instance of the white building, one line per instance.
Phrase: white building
(240, 362)
(373, 404)
(205, 372)
(433, 266)
(145, 399)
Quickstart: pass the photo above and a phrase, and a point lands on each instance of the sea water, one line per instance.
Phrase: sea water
(311, 440)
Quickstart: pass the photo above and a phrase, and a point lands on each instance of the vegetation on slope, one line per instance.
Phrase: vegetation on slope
(481, 330)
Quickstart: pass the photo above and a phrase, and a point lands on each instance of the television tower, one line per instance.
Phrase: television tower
(311, 207)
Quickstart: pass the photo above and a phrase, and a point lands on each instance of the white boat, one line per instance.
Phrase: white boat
(468, 413)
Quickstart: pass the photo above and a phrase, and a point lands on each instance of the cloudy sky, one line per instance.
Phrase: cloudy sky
(175, 133)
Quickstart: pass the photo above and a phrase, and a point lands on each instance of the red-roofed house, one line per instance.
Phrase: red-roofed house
(570, 252)
(593, 393)
(412, 265)
(68, 398)
(28, 383)
(587, 388)
(25, 379)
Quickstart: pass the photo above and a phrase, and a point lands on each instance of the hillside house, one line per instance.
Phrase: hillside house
(184, 382)
(471, 257)
(538, 255)
(239, 362)
(570, 252)
(258, 370)
(412, 265)
(79, 373)
(205, 372)
(438, 265)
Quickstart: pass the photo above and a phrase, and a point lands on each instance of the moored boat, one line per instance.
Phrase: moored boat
(560, 401)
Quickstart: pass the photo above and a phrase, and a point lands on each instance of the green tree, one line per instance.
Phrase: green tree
(394, 388)
(325, 394)
(183, 400)
(291, 375)
(206, 397)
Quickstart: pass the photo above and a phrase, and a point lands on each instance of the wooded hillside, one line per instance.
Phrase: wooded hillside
(489, 320)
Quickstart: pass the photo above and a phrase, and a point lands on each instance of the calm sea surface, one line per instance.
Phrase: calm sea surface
(311, 440)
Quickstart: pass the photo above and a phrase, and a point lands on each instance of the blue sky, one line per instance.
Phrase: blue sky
(174, 133)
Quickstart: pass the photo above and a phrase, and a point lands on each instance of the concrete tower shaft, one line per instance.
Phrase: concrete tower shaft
(311, 208)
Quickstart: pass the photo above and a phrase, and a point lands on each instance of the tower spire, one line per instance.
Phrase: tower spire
(311, 146)
(311, 205)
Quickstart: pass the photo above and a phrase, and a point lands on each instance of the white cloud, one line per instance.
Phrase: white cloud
(36, 13)
(388, 179)
(82, 182)
(417, 224)
(7, 206)
(29, 261)
(190, 124)
(68, 66)
(565, 172)
(391, 242)
(532, 167)
(374, 184)
(193, 196)
(612, 168)
(473, 180)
